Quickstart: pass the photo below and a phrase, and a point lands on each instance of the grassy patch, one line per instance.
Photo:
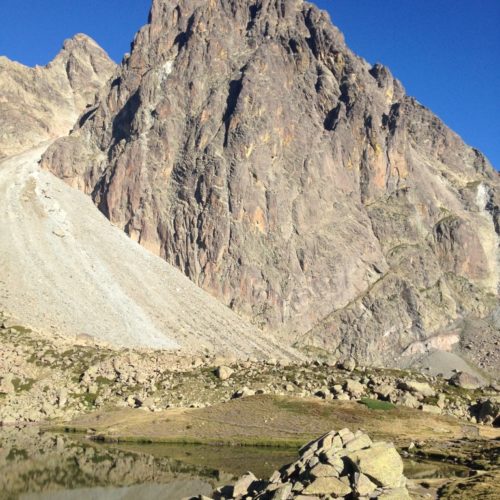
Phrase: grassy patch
(103, 381)
(20, 329)
(89, 399)
(244, 442)
(375, 404)
(269, 421)
(16, 453)
(22, 385)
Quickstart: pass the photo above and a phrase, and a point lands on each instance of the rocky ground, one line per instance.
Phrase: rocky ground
(44, 378)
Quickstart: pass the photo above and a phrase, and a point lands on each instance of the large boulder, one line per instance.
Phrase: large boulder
(354, 388)
(466, 381)
(381, 463)
(489, 411)
(223, 372)
(417, 388)
(341, 464)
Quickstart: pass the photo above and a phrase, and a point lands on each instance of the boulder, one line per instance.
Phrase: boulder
(436, 410)
(327, 486)
(408, 400)
(223, 372)
(465, 381)
(242, 486)
(381, 463)
(282, 492)
(419, 388)
(489, 412)
(348, 364)
(364, 486)
(384, 390)
(323, 470)
(354, 388)
(358, 443)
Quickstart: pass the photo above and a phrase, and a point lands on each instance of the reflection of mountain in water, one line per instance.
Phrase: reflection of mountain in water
(177, 489)
(35, 465)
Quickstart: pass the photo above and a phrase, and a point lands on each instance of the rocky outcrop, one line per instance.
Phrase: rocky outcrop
(337, 465)
(248, 146)
(42, 103)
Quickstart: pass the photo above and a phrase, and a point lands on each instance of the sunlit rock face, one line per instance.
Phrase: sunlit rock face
(42, 103)
(247, 145)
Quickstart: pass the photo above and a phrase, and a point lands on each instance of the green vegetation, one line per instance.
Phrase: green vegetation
(103, 381)
(16, 453)
(22, 385)
(375, 404)
(252, 442)
(89, 399)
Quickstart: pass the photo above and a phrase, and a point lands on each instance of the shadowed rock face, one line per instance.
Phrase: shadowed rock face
(42, 103)
(247, 145)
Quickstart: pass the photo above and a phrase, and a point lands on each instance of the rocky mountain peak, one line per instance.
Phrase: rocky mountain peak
(42, 103)
(247, 145)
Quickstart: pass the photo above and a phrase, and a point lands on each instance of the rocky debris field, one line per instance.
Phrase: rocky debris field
(60, 274)
(47, 378)
(339, 464)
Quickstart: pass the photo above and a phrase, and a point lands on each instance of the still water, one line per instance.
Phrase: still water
(36, 466)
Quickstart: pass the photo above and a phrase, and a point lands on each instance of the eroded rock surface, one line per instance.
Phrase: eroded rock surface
(42, 103)
(247, 145)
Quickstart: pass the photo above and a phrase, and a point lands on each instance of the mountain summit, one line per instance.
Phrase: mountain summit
(246, 144)
(42, 103)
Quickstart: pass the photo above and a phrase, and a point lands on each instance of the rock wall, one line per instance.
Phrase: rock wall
(248, 146)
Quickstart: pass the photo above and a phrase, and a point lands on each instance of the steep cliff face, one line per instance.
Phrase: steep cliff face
(42, 103)
(247, 145)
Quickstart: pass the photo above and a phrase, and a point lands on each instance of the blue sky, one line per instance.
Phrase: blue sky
(446, 52)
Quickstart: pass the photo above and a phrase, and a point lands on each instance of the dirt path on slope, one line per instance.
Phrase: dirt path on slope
(65, 268)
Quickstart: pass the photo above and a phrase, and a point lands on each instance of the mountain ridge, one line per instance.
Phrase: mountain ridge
(41, 103)
(249, 147)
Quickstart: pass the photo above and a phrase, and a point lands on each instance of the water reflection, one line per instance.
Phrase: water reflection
(176, 489)
(35, 465)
